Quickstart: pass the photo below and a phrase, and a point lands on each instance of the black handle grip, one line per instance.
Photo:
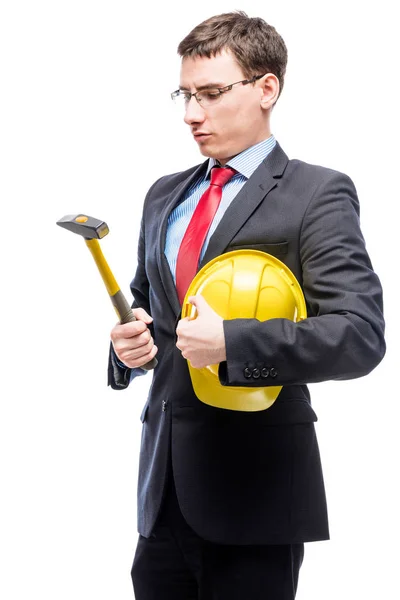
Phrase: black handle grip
(126, 315)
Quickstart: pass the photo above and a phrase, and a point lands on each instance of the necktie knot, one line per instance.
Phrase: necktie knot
(221, 175)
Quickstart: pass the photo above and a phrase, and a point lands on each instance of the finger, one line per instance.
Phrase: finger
(143, 339)
(127, 344)
(148, 357)
(132, 353)
(142, 315)
(199, 303)
(141, 359)
(127, 330)
(181, 324)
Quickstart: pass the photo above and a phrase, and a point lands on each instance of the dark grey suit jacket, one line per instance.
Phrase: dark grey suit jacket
(256, 478)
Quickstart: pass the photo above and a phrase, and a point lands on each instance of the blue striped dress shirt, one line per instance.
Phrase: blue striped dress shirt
(245, 164)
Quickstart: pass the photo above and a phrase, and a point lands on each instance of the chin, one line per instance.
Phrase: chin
(210, 153)
(217, 153)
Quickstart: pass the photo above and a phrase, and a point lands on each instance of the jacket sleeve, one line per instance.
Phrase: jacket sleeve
(343, 336)
(119, 377)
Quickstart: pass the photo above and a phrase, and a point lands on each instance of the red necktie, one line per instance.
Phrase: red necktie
(196, 232)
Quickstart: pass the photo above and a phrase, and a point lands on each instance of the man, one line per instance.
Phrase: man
(226, 499)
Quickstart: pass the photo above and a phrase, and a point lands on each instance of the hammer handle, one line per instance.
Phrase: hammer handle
(120, 304)
(126, 315)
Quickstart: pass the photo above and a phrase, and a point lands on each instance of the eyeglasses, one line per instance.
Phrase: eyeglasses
(209, 96)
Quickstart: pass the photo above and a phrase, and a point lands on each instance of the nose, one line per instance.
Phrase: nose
(194, 113)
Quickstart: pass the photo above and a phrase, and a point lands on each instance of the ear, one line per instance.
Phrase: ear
(269, 90)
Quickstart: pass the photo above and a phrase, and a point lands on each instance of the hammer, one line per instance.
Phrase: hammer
(93, 230)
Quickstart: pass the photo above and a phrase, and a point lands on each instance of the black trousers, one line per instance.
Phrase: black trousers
(176, 564)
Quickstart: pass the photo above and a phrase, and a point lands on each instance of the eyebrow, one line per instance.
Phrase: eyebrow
(204, 87)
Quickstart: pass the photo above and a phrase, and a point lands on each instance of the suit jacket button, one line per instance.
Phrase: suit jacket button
(264, 373)
(164, 405)
(273, 372)
(256, 373)
(247, 373)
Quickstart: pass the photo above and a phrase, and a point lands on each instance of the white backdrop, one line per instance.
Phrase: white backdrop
(87, 126)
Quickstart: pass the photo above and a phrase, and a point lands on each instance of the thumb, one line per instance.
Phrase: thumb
(142, 315)
(199, 302)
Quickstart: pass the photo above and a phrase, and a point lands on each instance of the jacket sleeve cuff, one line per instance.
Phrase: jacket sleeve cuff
(119, 375)
(241, 369)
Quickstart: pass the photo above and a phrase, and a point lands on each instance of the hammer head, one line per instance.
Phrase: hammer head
(87, 227)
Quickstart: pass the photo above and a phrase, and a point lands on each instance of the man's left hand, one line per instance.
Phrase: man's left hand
(201, 340)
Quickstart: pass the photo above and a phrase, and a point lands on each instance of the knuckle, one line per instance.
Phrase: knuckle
(124, 331)
(148, 347)
(116, 345)
(115, 332)
(145, 338)
(118, 353)
(140, 326)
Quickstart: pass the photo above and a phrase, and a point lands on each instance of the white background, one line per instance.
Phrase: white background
(87, 126)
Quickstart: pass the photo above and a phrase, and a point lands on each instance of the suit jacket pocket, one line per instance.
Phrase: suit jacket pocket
(286, 412)
(276, 249)
(289, 412)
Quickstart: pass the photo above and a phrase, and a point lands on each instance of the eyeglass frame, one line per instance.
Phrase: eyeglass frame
(223, 90)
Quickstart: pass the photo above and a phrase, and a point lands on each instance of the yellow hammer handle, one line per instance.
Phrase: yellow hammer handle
(120, 304)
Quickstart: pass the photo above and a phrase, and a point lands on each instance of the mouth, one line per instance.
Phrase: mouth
(199, 137)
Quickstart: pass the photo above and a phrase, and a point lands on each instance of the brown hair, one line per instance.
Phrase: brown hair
(257, 47)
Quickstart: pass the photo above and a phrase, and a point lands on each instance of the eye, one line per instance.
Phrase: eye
(210, 95)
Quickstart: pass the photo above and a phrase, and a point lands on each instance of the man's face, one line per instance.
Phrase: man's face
(237, 121)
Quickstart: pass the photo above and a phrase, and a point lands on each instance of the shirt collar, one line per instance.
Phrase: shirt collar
(247, 161)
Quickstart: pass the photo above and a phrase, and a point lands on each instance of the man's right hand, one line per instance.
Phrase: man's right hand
(132, 342)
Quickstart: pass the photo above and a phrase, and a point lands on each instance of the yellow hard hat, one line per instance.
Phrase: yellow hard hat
(243, 284)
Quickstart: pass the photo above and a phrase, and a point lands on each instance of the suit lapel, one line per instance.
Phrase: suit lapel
(264, 179)
(163, 266)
